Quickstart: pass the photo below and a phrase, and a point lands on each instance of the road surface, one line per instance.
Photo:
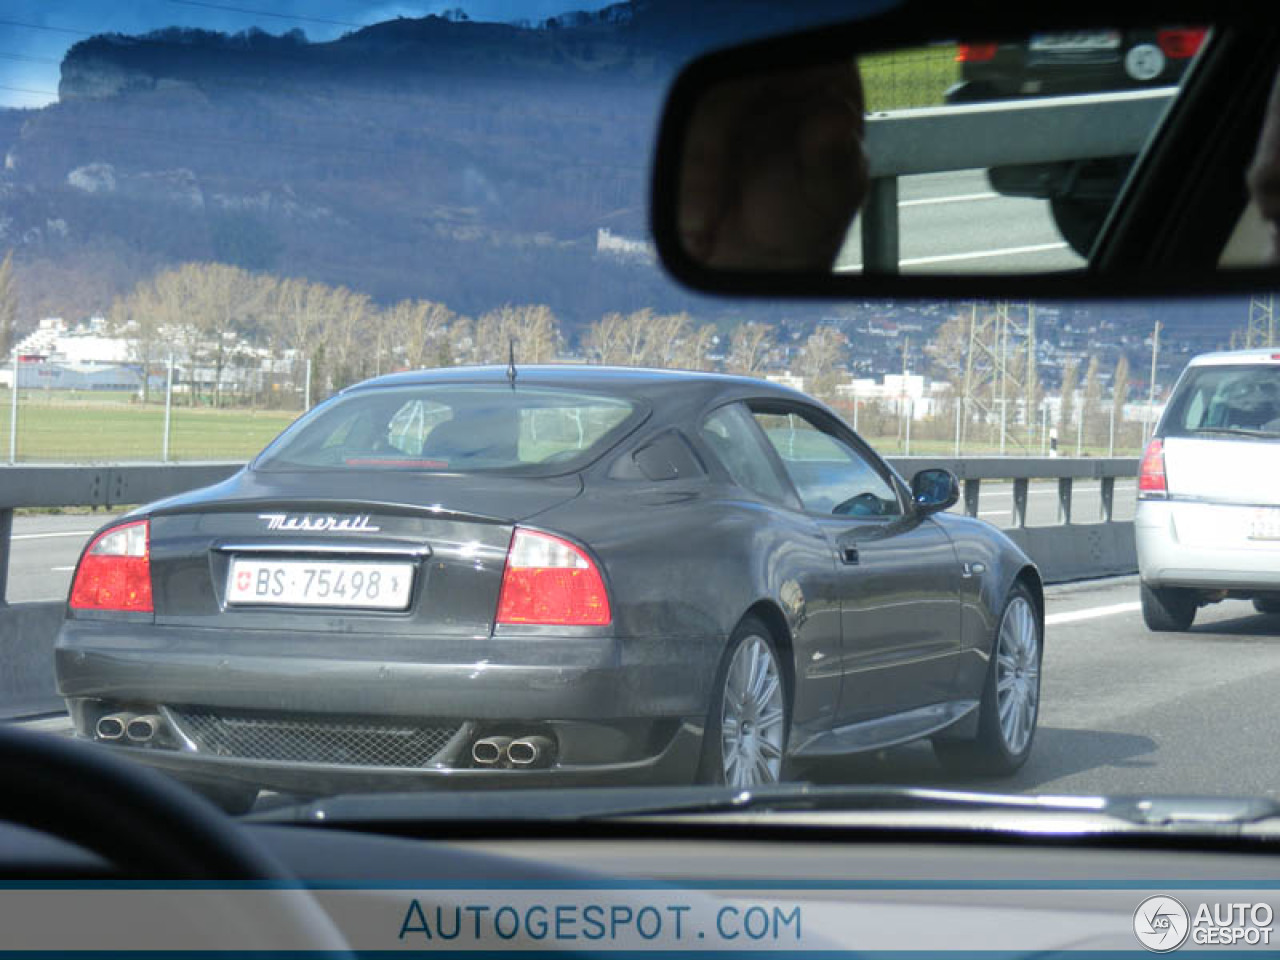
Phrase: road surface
(955, 223)
(1127, 711)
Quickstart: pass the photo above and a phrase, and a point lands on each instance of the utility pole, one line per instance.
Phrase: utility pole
(1000, 367)
(168, 410)
(902, 399)
(1261, 331)
(1151, 394)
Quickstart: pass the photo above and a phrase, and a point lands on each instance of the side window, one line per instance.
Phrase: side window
(830, 476)
(734, 440)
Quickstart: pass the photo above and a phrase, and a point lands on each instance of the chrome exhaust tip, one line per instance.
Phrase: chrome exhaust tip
(529, 751)
(142, 729)
(112, 726)
(490, 751)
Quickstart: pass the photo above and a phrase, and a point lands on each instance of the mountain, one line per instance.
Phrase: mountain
(471, 163)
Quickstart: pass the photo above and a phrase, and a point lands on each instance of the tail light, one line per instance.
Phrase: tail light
(1152, 484)
(1181, 43)
(975, 52)
(115, 572)
(550, 581)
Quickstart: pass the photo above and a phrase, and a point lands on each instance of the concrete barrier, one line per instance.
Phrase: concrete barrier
(27, 632)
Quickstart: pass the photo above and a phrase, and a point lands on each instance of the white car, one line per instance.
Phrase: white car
(1208, 520)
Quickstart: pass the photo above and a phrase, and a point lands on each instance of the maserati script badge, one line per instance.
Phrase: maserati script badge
(319, 523)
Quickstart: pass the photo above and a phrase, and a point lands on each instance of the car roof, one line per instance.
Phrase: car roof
(1228, 357)
(624, 381)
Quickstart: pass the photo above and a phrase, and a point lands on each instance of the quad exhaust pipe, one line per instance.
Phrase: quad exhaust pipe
(520, 752)
(134, 727)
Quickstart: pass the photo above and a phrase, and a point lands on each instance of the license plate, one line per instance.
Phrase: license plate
(320, 583)
(1081, 40)
(1265, 525)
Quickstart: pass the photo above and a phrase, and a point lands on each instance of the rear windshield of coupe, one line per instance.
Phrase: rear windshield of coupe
(453, 428)
(1232, 399)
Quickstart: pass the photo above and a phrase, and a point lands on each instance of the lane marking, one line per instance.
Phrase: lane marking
(1092, 613)
(981, 254)
(62, 569)
(957, 198)
(42, 536)
(953, 257)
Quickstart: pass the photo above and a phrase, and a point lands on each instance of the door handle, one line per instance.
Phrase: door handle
(849, 554)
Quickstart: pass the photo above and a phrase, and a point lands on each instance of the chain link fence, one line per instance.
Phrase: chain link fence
(112, 412)
(906, 79)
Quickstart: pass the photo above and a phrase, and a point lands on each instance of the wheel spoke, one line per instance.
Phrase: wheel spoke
(769, 719)
(770, 749)
(770, 687)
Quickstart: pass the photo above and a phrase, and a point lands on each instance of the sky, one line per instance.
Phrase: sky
(34, 34)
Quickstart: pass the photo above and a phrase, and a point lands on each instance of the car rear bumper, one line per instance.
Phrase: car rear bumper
(674, 761)
(323, 713)
(1184, 543)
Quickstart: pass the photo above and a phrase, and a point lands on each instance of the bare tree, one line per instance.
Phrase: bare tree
(420, 331)
(749, 347)
(1120, 388)
(606, 340)
(8, 306)
(533, 329)
(1091, 408)
(824, 360)
(697, 344)
(1066, 409)
(136, 318)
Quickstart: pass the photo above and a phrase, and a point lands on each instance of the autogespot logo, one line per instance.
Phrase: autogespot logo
(1161, 924)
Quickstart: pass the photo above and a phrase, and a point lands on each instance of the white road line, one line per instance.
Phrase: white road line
(42, 536)
(953, 257)
(981, 254)
(958, 198)
(1091, 613)
(62, 569)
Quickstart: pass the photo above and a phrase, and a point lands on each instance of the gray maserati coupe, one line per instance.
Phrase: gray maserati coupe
(558, 574)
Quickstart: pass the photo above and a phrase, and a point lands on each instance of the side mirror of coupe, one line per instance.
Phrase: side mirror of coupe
(934, 490)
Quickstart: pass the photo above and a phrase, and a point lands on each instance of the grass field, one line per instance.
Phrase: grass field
(905, 79)
(112, 432)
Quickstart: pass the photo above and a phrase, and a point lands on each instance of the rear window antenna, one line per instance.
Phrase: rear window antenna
(511, 362)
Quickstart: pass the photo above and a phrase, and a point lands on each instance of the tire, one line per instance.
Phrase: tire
(1079, 221)
(1167, 610)
(760, 756)
(1266, 606)
(1013, 683)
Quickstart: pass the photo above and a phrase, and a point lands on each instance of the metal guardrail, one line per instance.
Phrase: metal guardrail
(978, 136)
(1064, 551)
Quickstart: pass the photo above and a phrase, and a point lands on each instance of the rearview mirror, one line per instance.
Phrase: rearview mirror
(876, 158)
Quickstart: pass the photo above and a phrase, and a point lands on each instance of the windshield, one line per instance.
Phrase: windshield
(589, 528)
